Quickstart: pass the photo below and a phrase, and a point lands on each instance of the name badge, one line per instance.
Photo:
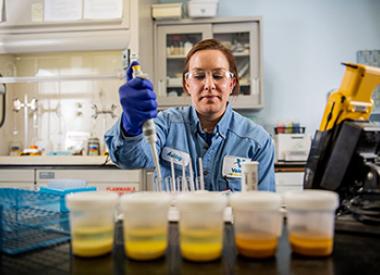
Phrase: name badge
(178, 157)
(232, 166)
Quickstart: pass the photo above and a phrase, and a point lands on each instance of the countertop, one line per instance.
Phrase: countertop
(289, 166)
(54, 160)
(353, 254)
(91, 160)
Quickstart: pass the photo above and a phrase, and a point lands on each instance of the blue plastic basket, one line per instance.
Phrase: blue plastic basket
(30, 220)
(63, 192)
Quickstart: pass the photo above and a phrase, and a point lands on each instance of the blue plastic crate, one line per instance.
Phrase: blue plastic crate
(28, 221)
(62, 192)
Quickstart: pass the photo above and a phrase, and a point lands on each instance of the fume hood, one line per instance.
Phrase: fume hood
(69, 63)
(71, 25)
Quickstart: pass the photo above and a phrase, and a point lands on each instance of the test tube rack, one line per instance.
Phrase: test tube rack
(30, 220)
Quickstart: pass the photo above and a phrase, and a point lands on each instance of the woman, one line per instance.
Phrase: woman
(209, 129)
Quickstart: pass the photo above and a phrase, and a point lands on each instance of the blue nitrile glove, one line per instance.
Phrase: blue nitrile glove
(138, 101)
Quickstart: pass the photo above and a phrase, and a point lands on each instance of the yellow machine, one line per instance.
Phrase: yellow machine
(345, 152)
(352, 101)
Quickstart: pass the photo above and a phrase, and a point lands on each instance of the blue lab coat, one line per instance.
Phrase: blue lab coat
(181, 139)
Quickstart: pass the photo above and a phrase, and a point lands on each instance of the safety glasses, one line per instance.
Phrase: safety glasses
(218, 76)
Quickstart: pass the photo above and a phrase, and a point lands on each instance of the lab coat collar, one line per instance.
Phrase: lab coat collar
(222, 126)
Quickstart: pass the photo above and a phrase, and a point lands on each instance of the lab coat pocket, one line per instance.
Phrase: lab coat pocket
(176, 156)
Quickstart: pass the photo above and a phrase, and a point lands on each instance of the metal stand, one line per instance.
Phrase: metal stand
(32, 106)
(104, 111)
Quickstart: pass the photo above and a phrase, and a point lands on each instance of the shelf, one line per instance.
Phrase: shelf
(31, 79)
(53, 160)
(174, 82)
(244, 82)
(180, 56)
(240, 54)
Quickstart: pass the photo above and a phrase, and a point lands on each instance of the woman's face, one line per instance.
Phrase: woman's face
(209, 82)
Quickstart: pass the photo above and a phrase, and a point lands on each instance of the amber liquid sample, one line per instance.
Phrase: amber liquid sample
(309, 245)
(256, 245)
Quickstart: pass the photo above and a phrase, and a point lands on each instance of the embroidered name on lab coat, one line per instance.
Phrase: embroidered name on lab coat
(232, 166)
(177, 156)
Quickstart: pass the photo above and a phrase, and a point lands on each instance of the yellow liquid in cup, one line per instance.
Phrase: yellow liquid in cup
(145, 243)
(92, 241)
(256, 245)
(310, 245)
(201, 245)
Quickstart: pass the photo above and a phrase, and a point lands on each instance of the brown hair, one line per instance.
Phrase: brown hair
(213, 44)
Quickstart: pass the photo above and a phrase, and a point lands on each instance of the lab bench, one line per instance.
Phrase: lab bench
(34, 172)
(293, 166)
(353, 254)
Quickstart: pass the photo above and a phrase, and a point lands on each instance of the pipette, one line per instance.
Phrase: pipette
(149, 129)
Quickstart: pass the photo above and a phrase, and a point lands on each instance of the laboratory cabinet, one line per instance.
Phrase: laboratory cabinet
(69, 25)
(17, 178)
(38, 25)
(108, 179)
(64, 15)
(173, 40)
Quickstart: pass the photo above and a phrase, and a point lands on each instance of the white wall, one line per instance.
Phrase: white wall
(304, 42)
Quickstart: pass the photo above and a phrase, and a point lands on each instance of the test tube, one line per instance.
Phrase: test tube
(167, 184)
(201, 178)
(173, 175)
(183, 181)
(191, 173)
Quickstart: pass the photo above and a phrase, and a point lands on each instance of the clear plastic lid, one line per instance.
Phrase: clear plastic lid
(66, 183)
(252, 200)
(145, 200)
(93, 200)
(311, 200)
(204, 200)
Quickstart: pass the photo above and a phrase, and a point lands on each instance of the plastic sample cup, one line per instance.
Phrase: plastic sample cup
(92, 222)
(257, 223)
(201, 225)
(145, 224)
(310, 219)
